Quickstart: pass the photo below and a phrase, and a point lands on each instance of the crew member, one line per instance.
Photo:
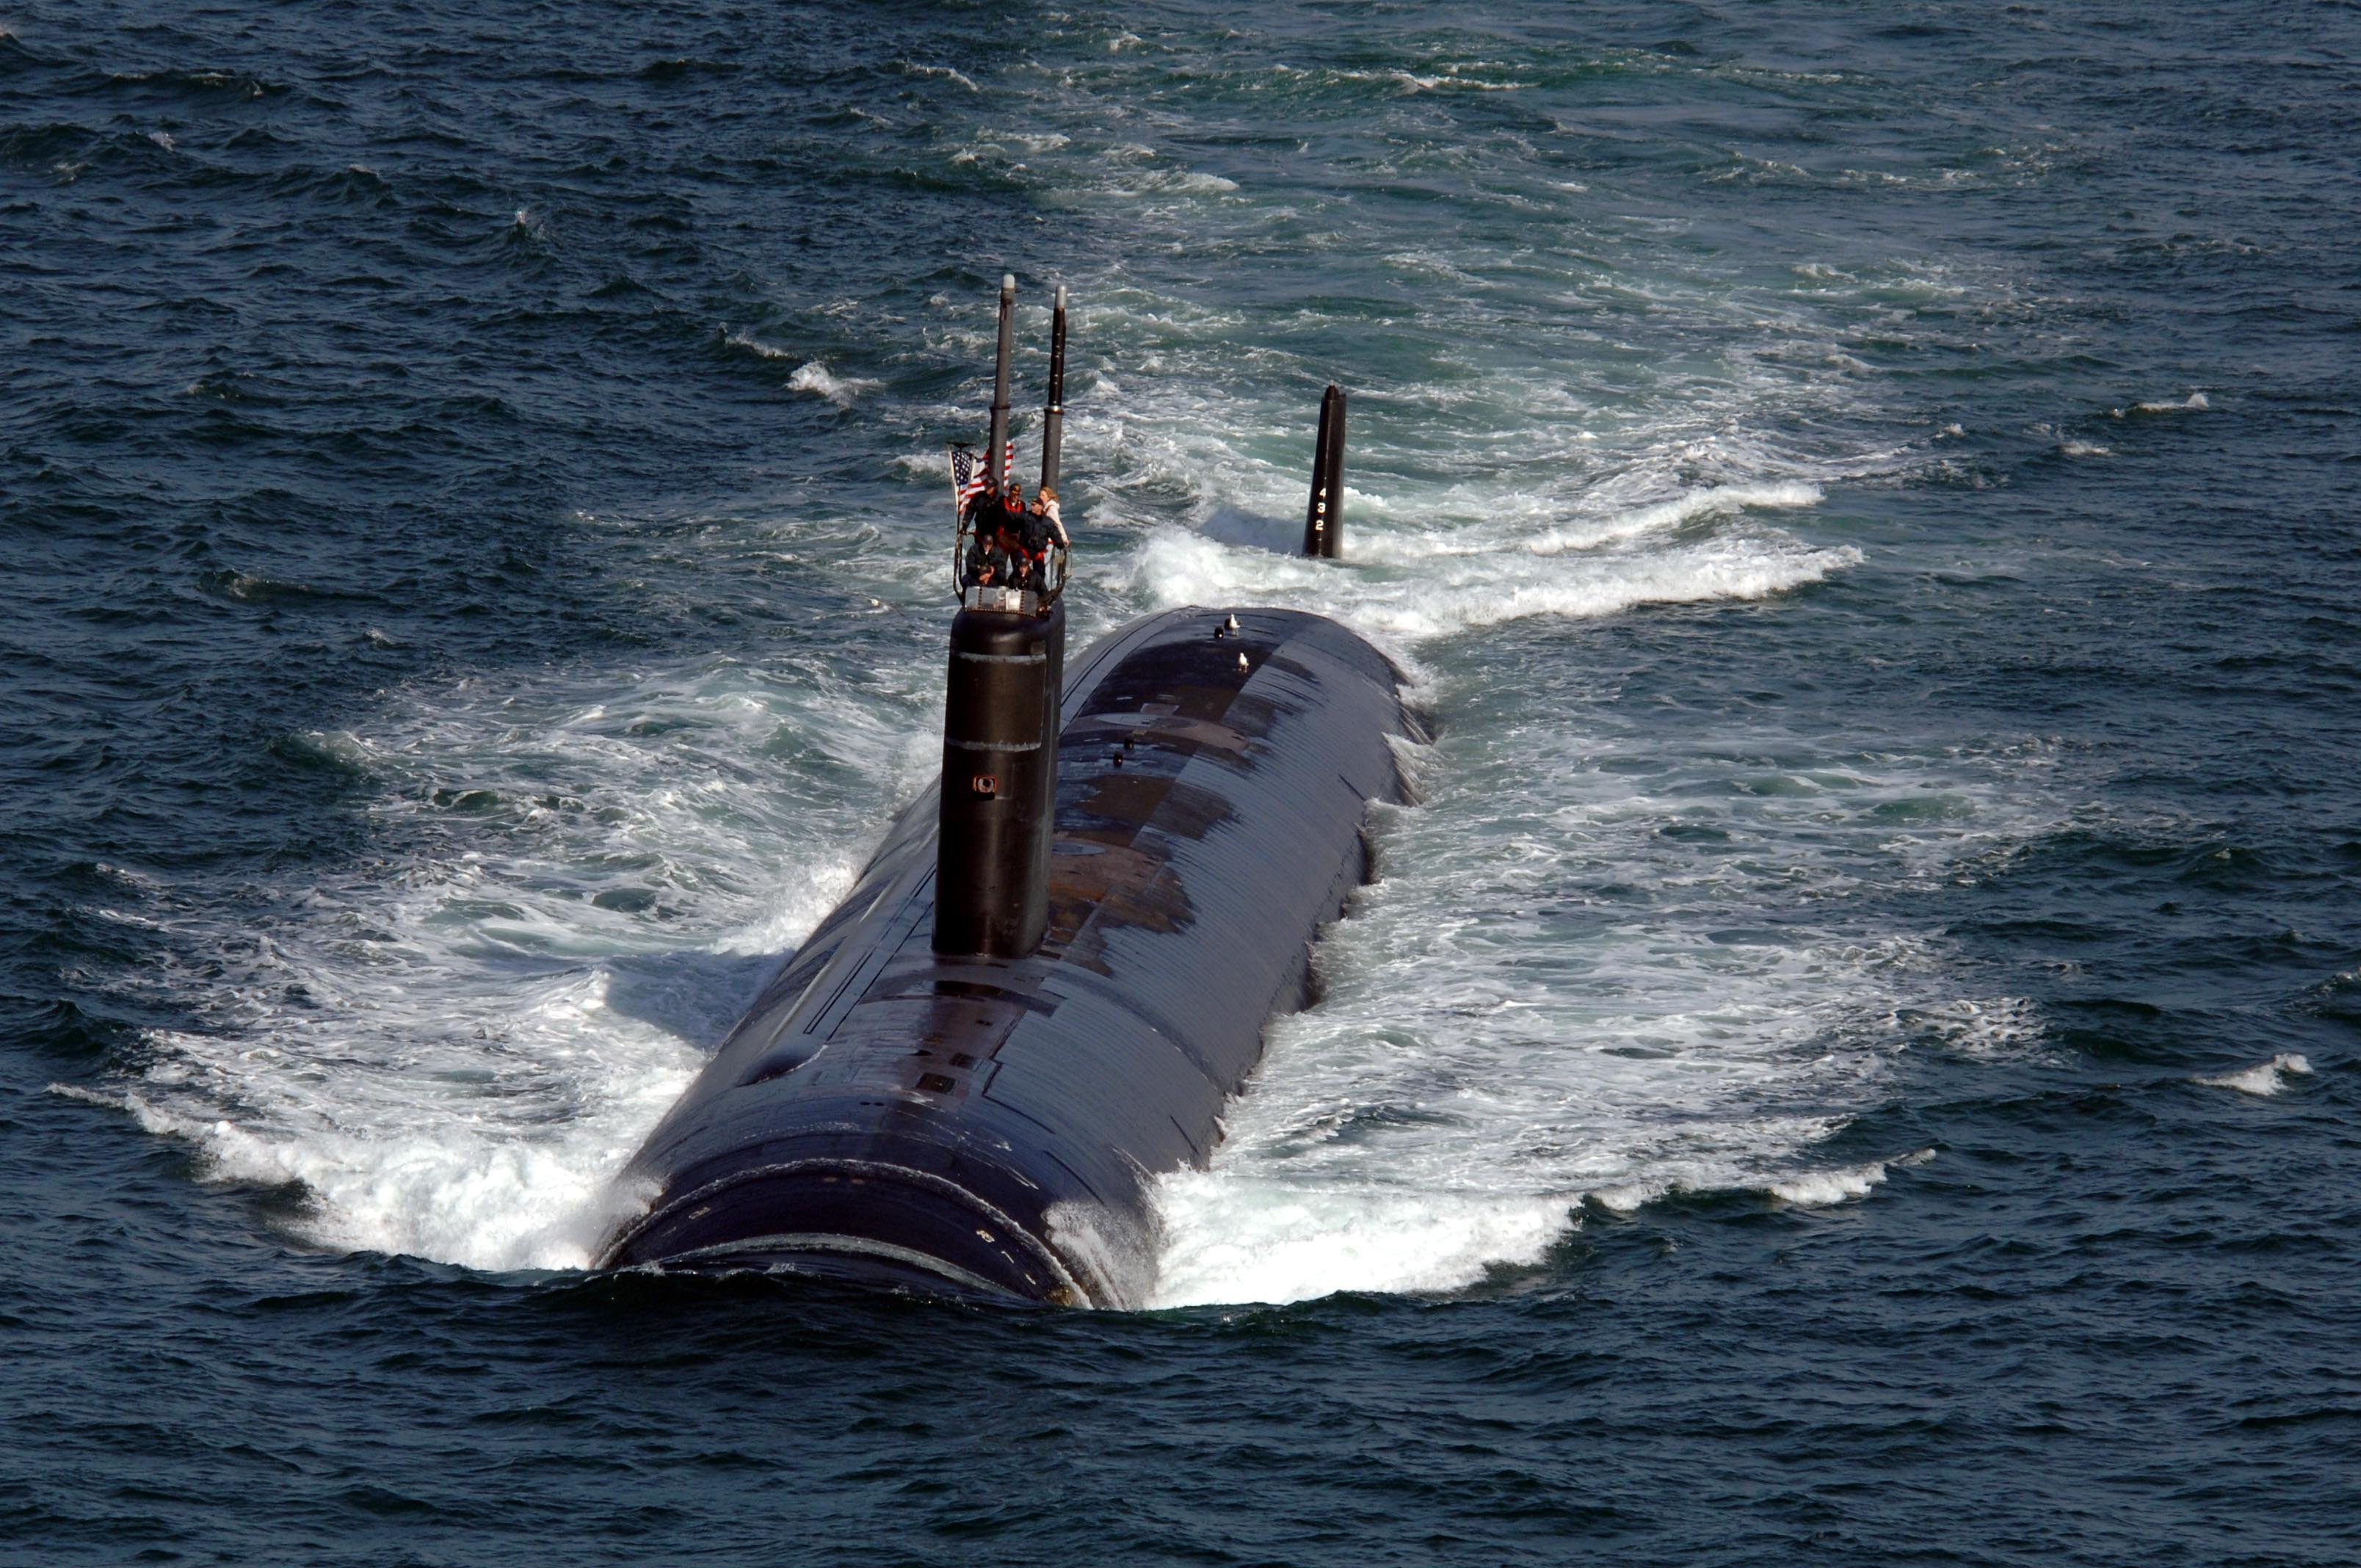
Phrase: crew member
(1010, 536)
(1045, 507)
(986, 563)
(1040, 526)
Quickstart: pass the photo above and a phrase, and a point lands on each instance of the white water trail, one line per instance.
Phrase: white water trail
(454, 1053)
(2264, 1078)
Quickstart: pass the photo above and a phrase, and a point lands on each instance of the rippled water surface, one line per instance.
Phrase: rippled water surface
(1853, 1059)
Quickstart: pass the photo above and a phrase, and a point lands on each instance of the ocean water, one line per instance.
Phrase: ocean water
(1853, 1059)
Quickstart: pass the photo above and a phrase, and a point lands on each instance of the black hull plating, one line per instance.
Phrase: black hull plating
(992, 1125)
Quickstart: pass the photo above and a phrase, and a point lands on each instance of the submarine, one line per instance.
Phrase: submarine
(1058, 967)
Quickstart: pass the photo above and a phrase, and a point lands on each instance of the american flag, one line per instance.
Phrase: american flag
(970, 475)
(967, 477)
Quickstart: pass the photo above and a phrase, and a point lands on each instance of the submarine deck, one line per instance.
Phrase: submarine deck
(995, 1123)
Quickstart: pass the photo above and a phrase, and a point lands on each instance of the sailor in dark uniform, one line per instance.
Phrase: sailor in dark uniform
(1009, 537)
(987, 564)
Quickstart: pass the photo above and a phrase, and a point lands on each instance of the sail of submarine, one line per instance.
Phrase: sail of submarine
(1058, 966)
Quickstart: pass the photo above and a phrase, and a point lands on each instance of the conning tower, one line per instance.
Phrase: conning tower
(1000, 719)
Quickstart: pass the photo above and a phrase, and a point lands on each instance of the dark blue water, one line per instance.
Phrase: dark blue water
(1854, 1060)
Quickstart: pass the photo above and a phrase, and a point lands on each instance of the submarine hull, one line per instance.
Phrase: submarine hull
(992, 1125)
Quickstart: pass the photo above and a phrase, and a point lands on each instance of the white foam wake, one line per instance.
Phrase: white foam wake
(1240, 1239)
(1603, 964)
(1603, 520)
(822, 382)
(2266, 1078)
(432, 1153)
(455, 1052)
(757, 347)
(1234, 1237)
(1822, 1188)
(1456, 593)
